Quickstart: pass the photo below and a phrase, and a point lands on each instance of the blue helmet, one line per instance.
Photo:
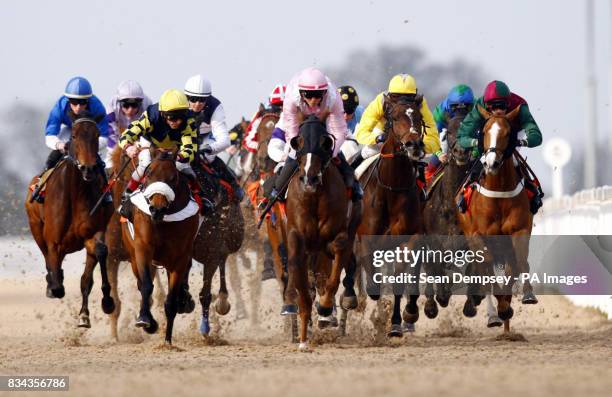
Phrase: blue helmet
(461, 94)
(78, 87)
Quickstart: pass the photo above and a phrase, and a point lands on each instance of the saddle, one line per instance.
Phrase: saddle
(40, 184)
(212, 183)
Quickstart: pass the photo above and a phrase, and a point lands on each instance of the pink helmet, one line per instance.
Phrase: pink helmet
(277, 97)
(312, 79)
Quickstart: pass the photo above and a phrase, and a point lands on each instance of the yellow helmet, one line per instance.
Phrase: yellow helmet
(172, 100)
(402, 84)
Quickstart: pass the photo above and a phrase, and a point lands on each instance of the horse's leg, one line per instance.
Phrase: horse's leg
(175, 283)
(101, 252)
(206, 296)
(396, 318)
(431, 307)
(145, 319)
(299, 281)
(86, 285)
(222, 304)
(520, 244)
(112, 266)
(185, 303)
(492, 319)
(348, 300)
(55, 274)
(235, 282)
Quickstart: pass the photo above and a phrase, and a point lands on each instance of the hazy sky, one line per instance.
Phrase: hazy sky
(244, 47)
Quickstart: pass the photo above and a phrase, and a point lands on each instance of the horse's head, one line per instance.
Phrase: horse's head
(314, 148)
(84, 144)
(405, 127)
(458, 153)
(264, 133)
(498, 137)
(161, 183)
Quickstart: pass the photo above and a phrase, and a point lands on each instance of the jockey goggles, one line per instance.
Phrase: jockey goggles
(402, 98)
(196, 99)
(498, 104)
(131, 103)
(78, 101)
(175, 116)
(309, 94)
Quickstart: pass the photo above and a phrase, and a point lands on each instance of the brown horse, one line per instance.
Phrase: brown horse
(318, 231)
(63, 225)
(156, 238)
(392, 203)
(220, 235)
(500, 207)
(440, 213)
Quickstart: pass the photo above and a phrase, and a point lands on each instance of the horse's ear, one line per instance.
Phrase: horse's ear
(418, 99)
(483, 112)
(513, 114)
(297, 143)
(327, 143)
(261, 108)
(386, 105)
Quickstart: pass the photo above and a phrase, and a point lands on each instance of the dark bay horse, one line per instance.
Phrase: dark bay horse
(221, 234)
(392, 203)
(319, 234)
(440, 213)
(499, 212)
(157, 239)
(63, 225)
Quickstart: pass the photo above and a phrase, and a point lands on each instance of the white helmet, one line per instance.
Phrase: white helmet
(129, 89)
(197, 86)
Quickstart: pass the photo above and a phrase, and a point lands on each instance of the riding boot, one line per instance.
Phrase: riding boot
(357, 160)
(125, 208)
(108, 198)
(282, 181)
(227, 175)
(348, 174)
(473, 176)
(207, 204)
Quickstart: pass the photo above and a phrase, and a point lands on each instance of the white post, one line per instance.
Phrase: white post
(557, 153)
(557, 182)
(590, 144)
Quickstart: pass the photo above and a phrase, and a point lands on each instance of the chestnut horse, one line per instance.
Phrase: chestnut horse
(319, 234)
(440, 213)
(63, 225)
(159, 239)
(392, 202)
(500, 207)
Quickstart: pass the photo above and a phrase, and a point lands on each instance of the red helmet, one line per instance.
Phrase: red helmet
(277, 97)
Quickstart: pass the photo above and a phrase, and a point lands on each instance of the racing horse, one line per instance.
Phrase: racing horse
(63, 224)
(320, 226)
(499, 213)
(392, 201)
(440, 213)
(165, 224)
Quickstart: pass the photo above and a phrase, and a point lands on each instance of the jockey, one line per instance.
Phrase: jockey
(213, 137)
(125, 106)
(275, 105)
(370, 130)
(166, 124)
(78, 98)
(352, 115)
(310, 92)
(497, 96)
(459, 99)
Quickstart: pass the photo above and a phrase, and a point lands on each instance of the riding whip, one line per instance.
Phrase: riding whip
(109, 186)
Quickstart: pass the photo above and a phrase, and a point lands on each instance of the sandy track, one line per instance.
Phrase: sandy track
(568, 349)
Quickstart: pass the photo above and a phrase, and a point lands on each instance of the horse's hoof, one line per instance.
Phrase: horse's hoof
(443, 300)
(304, 347)
(395, 332)
(477, 299)
(410, 317)
(408, 327)
(84, 322)
(529, 298)
(374, 297)
(287, 310)
(151, 329)
(507, 314)
(204, 326)
(186, 306)
(494, 321)
(56, 293)
(342, 328)
(469, 310)
(49, 293)
(324, 311)
(108, 304)
(348, 302)
(143, 321)
(431, 309)
(327, 321)
(222, 306)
